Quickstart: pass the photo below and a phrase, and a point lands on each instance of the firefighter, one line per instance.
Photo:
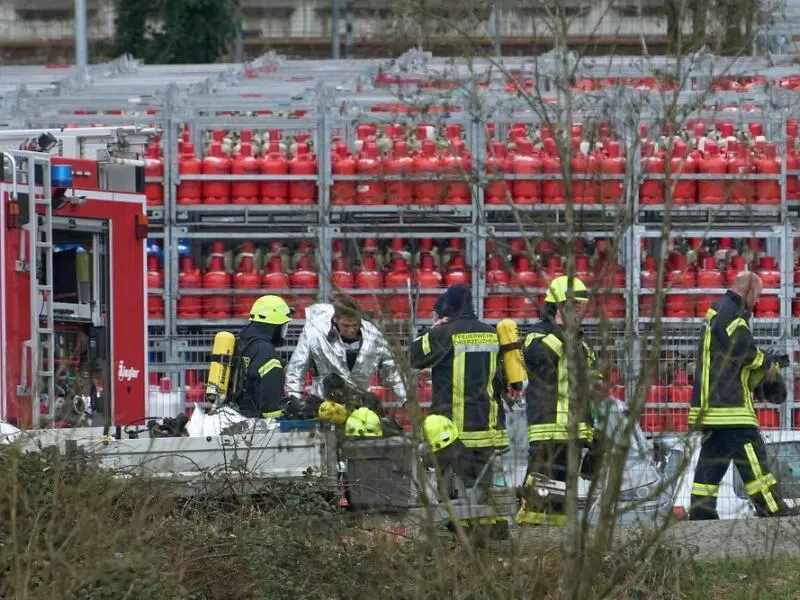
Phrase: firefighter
(549, 404)
(462, 353)
(260, 367)
(729, 366)
(336, 340)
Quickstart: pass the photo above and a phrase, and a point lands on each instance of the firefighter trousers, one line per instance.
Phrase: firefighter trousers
(548, 459)
(745, 447)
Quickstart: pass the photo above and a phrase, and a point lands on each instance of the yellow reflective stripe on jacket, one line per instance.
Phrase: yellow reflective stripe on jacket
(493, 410)
(272, 415)
(723, 415)
(459, 370)
(744, 377)
(542, 432)
(269, 366)
(426, 344)
(762, 483)
(562, 390)
(706, 360)
(484, 439)
(705, 489)
(533, 336)
(734, 325)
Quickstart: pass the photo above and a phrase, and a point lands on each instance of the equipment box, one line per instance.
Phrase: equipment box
(379, 473)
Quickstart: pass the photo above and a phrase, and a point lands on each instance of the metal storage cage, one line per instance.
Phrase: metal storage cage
(327, 101)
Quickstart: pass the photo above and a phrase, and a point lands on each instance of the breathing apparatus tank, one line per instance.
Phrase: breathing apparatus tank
(513, 361)
(219, 371)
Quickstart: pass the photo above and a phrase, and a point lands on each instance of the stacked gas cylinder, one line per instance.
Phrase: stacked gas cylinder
(516, 284)
(696, 265)
(245, 153)
(718, 150)
(367, 269)
(235, 276)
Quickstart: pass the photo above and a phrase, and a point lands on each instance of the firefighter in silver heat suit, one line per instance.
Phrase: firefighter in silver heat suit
(336, 340)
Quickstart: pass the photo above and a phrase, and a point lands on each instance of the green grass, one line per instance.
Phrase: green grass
(776, 579)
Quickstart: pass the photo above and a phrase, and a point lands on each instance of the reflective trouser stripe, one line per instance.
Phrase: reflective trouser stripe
(543, 432)
(529, 517)
(761, 482)
(269, 366)
(705, 489)
(272, 415)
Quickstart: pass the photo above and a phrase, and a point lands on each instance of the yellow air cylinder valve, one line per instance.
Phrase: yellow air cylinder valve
(219, 371)
(511, 348)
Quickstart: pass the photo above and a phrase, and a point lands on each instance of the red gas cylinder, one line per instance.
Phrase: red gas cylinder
(680, 392)
(684, 190)
(769, 273)
(649, 276)
(400, 164)
(651, 191)
(427, 162)
(769, 418)
(303, 163)
(552, 270)
(303, 277)
(681, 275)
(497, 164)
(343, 193)
(768, 191)
(457, 272)
(613, 164)
(154, 168)
(496, 306)
(768, 307)
(741, 191)
(398, 278)
(583, 272)
(369, 278)
(456, 166)
(245, 192)
(274, 276)
(525, 162)
(711, 191)
(155, 281)
(189, 192)
(341, 276)
(584, 191)
(370, 193)
(426, 277)
(246, 278)
(792, 164)
(274, 163)
(797, 272)
(736, 265)
(189, 278)
(217, 306)
(553, 191)
(523, 305)
(216, 192)
(709, 277)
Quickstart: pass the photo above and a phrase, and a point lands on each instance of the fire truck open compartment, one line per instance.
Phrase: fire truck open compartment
(73, 312)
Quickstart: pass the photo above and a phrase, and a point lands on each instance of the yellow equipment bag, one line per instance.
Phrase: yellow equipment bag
(511, 349)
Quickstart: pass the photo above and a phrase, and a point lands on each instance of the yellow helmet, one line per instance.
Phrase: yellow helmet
(557, 292)
(332, 412)
(272, 310)
(363, 422)
(439, 432)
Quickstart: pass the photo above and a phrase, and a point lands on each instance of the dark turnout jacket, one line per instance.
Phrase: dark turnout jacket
(262, 372)
(548, 392)
(728, 356)
(466, 386)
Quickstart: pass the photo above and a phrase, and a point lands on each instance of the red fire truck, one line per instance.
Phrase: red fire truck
(73, 329)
